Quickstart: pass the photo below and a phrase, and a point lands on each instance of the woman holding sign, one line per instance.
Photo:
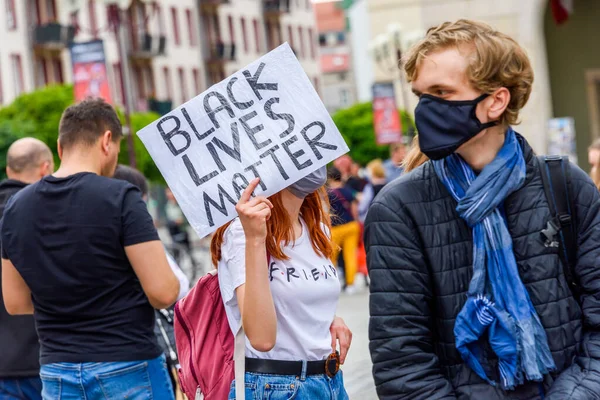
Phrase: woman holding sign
(276, 279)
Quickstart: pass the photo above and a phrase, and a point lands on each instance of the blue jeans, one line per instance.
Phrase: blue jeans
(286, 387)
(21, 389)
(136, 380)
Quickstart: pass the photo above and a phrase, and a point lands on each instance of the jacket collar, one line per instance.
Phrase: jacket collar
(529, 156)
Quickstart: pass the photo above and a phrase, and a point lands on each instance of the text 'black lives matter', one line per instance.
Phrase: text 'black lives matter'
(224, 142)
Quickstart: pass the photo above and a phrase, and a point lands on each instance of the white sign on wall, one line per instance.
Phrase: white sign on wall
(264, 121)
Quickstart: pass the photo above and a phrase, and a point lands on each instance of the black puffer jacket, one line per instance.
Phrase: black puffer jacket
(419, 253)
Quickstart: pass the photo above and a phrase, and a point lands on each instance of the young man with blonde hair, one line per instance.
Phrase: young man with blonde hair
(467, 299)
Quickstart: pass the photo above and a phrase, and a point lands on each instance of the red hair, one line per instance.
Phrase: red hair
(280, 228)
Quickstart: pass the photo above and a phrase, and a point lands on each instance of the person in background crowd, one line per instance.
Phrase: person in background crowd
(163, 330)
(28, 160)
(377, 180)
(344, 165)
(349, 171)
(467, 302)
(177, 225)
(355, 181)
(393, 165)
(137, 179)
(81, 250)
(594, 160)
(345, 231)
(287, 309)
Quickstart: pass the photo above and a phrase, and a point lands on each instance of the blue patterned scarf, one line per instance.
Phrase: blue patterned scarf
(497, 302)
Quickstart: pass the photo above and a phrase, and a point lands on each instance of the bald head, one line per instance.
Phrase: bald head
(28, 160)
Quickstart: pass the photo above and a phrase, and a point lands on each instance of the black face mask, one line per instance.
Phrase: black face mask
(445, 125)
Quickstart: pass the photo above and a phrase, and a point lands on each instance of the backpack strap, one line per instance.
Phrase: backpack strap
(556, 176)
(239, 363)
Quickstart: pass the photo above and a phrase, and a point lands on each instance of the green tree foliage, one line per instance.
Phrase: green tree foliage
(356, 125)
(37, 114)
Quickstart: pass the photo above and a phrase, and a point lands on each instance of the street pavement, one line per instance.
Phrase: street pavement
(354, 309)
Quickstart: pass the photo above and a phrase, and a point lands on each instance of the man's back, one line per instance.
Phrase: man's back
(66, 237)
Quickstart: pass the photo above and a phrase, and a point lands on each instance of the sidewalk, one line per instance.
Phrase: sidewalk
(354, 309)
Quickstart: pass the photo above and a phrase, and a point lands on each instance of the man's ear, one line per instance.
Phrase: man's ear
(59, 149)
(46, 169)
(106, 141)
(499, 102)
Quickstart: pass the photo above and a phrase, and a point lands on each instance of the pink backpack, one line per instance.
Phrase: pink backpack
(207, 348)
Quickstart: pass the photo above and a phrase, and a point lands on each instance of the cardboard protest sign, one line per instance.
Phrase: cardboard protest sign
(264, 121)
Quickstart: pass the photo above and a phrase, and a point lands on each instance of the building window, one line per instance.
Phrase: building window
(75, 22)
(322, 39)
(257, 35)
(41, 72)
(196, 74)
(45, 11)
(140, 89)
(120, 93)
(17, 74)
(11, 15)
(51, 10)
(269, 30)
(168, 83)
(191, 27)
(343, 97)
(301, 36)
(231, 29)
(92, 16)
(311, 39)
(57, 66)
(161, 19)
(175, 22)
(182, 86)
(244, 34)
(290, 35)
(150, 90)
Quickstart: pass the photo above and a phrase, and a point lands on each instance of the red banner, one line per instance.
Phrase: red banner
(386, 118)
(90, 78)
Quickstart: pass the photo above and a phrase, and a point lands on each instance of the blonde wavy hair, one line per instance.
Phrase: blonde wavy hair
(376, 168)
(495, 60)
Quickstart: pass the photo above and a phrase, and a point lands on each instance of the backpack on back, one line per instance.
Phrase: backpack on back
(561, 230)
(207, 348)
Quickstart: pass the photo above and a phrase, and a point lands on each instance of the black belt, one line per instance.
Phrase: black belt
(329, 367)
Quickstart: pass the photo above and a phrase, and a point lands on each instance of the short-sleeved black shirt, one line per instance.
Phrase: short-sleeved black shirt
(66, 237)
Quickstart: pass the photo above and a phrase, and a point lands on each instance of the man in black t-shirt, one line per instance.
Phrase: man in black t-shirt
(81, 250)
(27, 161)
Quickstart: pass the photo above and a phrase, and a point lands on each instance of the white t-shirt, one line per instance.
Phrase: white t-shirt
(184, 282)
(305, 292)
